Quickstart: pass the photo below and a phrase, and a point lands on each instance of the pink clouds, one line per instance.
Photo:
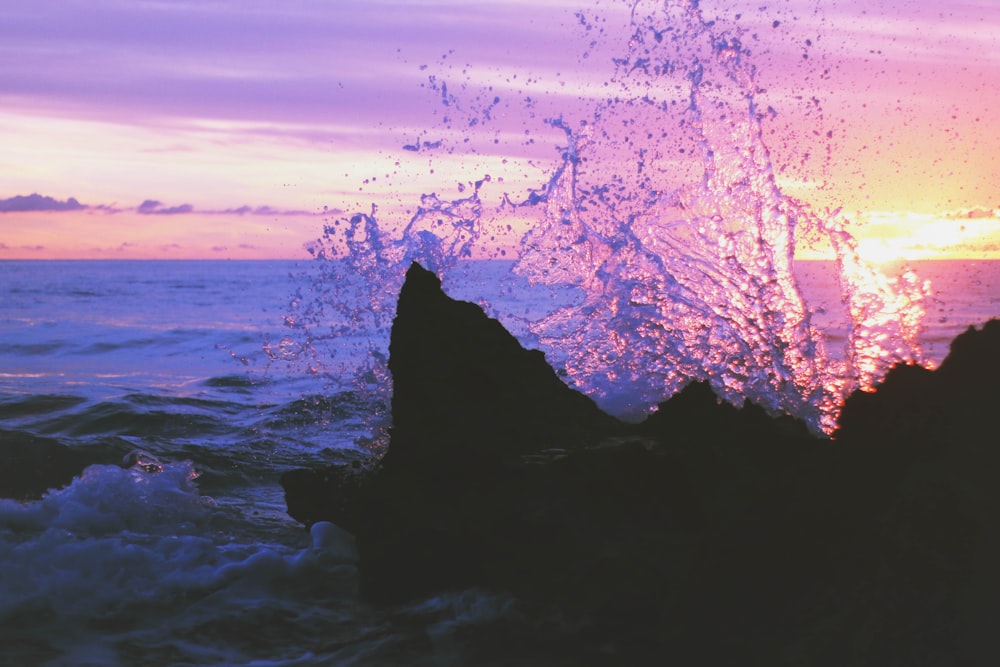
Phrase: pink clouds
(129, 235)
(289, 62)
(43, 227)
(37, 202)
(251, 110)
(153, 207)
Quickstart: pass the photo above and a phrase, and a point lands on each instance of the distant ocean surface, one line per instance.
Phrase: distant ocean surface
(181, 363)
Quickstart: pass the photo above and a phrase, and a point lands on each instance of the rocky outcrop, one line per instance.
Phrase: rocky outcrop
(464, 387)
(710, 534)
(30, 465)
(497, 473)
(923, 455)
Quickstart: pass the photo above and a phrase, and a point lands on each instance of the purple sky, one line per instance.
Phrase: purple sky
(210, 106)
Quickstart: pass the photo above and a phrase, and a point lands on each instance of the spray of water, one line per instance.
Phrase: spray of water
(662, 207)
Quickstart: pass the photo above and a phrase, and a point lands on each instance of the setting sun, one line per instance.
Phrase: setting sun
(886, 237)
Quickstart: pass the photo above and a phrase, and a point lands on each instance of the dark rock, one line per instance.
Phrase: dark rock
(30, 466)
(709, 534)
(497, 473)
(923, 459)
(464, 387)
(870, 549)
(325, 494)
(917, 407)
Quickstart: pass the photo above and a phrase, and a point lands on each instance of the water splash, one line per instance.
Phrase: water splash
(667, 212)
(663, 209)
(341, 329)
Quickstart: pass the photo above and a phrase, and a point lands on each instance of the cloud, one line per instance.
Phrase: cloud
(296, 61)
(979, 213)
(37, 202)
(156, 207)
(259, 210)
(153, 207)
(26, 248)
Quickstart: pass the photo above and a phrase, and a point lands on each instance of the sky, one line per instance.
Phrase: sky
(238, 128)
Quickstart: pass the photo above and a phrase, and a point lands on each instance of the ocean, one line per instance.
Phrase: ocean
(193, 377)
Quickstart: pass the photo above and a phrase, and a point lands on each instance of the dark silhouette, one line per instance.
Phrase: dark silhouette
(708, 534)
(31, 465)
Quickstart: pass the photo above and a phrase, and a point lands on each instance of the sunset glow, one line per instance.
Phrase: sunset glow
(912, 236)
(885, 236)
(250, 123)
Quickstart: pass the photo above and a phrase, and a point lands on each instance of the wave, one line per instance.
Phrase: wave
(37, 404)
(126, 566)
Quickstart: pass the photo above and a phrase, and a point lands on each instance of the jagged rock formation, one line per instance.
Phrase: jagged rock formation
(708, 534)
(464, 387)
(497, 473)
(30, 465)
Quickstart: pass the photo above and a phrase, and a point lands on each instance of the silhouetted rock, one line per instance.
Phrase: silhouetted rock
(497, 473)
(922, 451)
(463, 385)
(30, 466)
(325, 494)
(915, 407)
(709, 534)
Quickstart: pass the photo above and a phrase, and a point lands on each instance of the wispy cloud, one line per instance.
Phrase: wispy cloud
(37, 202)
(263, 210)
(203, 106)
(153, 207)
(156, 207)
(44, 203)
(979, 213)
(22, 248)
(291, 62)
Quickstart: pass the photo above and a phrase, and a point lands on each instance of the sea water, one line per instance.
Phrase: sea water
(187, 556)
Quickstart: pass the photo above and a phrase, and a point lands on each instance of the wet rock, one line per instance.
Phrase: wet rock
(464, 387)
(924, 453)
(711, 534)
(498, 474)
(917, 407)
(30, 465)
(325, 494)
(869, 549)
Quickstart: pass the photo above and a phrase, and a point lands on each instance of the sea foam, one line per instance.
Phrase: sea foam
(128, 560)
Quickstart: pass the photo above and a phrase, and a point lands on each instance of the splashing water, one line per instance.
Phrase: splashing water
(663, 209)
(349, 314)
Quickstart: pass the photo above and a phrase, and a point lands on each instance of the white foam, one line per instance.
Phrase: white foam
(329, 539)
(127, 558)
